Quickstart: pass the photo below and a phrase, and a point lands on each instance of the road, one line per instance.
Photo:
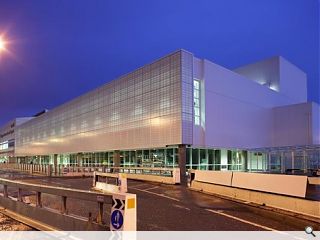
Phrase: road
(173, 207)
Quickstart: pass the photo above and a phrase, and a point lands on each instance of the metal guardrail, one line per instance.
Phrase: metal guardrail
(48, 169)
(168, 172)
(164, 175)
(60, 220)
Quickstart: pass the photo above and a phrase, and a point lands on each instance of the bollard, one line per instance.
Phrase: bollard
(176, 175)
(123, 215)
(122, 182)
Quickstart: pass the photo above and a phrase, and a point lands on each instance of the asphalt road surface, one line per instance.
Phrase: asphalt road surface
(164, 207)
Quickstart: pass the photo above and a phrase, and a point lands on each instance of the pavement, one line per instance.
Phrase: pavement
(164, 207)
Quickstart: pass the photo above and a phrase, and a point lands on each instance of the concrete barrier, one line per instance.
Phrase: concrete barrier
(314, 180)
(292, 204)
(216, 177)
(290, 185)
(119, 187)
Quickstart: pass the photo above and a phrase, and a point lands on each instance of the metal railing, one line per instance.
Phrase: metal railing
(57, 219)
(165, 175)
(168, 172)
(48, 169)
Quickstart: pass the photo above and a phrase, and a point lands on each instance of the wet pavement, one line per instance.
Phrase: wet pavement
(174, 207)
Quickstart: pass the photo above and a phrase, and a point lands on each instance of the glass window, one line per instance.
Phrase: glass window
(197, 120)
(196, 101)
(196, 84)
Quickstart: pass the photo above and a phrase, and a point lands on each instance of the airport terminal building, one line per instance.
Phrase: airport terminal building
(182, 111)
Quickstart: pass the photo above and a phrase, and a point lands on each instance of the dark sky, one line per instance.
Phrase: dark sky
(61, 49)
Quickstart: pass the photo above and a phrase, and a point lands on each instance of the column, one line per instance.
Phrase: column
(55, 164)
(79, 159)
(268, 168)
(116, 159)
(182, 154)
(305, 166)
(292, 162)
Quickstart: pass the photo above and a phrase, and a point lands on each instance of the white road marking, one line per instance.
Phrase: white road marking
(182, 207)
(157, 194)
(58, 183)
(139, 185)
(254, 224)
(147, 189)
(242, 220)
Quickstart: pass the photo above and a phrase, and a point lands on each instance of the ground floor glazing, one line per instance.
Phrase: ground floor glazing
(284, 160)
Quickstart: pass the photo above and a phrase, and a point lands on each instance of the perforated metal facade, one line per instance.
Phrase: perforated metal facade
(142, 109)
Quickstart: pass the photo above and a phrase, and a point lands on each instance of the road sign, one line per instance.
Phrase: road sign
(118, 203)
(123, 212)
(117, 219)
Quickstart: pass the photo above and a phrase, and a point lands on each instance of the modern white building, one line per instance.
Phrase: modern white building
(188, 112)
(7, 139)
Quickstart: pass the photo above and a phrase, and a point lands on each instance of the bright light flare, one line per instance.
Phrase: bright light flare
(2, 44)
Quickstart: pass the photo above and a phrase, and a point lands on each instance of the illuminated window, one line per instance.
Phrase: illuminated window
(196, 101)
(4, 145)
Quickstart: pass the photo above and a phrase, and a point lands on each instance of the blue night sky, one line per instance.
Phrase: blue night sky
(61, 49)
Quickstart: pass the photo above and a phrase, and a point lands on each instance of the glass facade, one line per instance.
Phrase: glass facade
(149, 158)
(297, 160)
(211, 159)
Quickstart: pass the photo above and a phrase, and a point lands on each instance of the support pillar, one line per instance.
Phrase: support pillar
(79, 159)
(55, 164)
(292, 162)
(182, 158)
(116, 159)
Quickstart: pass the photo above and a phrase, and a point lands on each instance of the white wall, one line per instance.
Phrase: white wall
(292, 125)
(238, 111)
(296, 124)
(237, 114)
(265, 72)
(293, 81)
(279, 74)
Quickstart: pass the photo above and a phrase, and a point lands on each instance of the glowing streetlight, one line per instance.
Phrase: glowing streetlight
(2, 44)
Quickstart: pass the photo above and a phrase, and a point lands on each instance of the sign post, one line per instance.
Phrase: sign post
(123, 215)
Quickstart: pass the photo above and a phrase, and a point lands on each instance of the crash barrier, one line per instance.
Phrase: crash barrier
(106, 186)
(289, 185)
(41, 216)
(163, 175)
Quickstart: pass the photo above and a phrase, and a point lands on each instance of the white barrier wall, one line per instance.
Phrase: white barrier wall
(216, 177)
(273, 183)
